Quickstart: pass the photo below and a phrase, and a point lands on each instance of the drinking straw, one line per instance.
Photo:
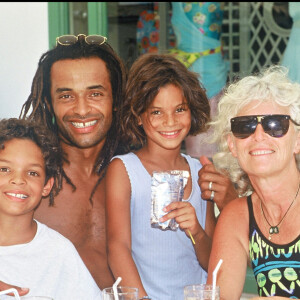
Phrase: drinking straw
(12, 290)
(215, 278)
(191, 237)
(115, 288)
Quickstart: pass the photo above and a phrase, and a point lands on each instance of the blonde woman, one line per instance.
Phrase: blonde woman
(257, 129)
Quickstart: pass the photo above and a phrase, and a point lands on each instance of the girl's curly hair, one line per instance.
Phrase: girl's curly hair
(148, 74)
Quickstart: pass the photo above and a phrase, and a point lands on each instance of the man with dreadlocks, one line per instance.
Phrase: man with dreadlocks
(77, 92)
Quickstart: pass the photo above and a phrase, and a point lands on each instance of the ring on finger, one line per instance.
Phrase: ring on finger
(210, 185)
(212, 195)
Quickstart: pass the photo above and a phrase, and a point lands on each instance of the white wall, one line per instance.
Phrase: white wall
(24, 37)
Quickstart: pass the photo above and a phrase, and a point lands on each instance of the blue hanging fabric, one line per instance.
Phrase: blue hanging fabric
(293, 47)
(197, 27)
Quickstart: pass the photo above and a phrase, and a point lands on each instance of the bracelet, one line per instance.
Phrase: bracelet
(145, 297)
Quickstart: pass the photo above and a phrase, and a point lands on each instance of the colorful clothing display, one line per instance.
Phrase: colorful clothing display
(206, 16)
(188, 58)
(197, 27)
(148, 32)
(293, 47)
(276, 267)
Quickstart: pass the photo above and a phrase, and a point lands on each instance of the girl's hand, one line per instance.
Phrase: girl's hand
(185, 215)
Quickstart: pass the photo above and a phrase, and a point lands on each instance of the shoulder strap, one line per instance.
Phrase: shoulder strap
(251, 215)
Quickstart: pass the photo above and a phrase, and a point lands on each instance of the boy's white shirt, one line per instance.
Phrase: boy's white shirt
(50, 266)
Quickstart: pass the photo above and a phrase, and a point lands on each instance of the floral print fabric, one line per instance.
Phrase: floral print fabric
(206, 16)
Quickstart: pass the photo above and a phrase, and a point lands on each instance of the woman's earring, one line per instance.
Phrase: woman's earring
(53, 120)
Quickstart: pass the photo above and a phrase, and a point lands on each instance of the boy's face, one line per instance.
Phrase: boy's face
(22, 177)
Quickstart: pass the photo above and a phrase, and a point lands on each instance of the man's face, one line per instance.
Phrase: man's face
(82, 101)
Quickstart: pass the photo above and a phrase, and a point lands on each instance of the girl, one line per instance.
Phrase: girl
(164, 103)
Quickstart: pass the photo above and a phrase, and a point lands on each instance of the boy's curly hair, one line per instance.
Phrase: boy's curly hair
(14, 128)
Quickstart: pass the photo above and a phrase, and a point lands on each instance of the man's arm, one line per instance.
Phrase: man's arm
(93, 250)
(96, 261)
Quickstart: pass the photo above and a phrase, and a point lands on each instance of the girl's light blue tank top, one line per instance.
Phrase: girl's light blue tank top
(166, 260)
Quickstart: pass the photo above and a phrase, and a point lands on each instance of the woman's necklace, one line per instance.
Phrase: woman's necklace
(275, 229)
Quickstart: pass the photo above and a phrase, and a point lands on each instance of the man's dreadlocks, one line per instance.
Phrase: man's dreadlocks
(38, 106)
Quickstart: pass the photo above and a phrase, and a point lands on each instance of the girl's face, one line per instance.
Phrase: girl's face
(22, 177)
(167, 121)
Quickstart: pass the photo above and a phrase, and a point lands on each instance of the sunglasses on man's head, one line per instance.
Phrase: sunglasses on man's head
(274, 125)
(67, 40)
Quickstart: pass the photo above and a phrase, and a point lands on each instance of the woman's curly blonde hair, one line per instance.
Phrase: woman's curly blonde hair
(271, 84)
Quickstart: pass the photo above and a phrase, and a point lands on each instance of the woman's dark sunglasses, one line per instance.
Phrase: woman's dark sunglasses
(67, 40)
(274, 125)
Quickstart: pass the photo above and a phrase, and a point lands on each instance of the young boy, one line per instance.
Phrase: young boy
(31, 254)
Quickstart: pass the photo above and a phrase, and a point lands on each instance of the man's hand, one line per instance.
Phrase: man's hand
(214, 185)
(4, 286)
